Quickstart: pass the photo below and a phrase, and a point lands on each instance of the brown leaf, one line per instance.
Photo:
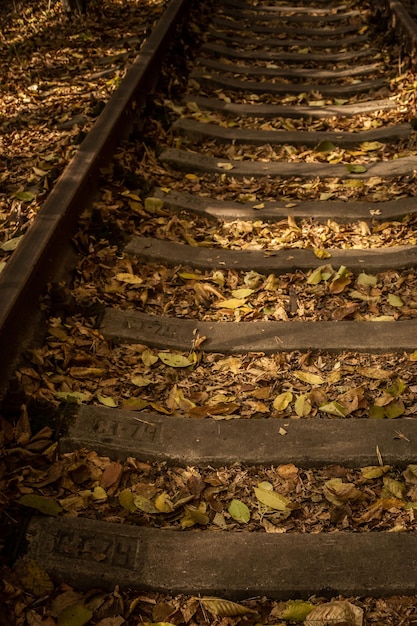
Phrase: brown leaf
(343, 312)
(111, 474)
(339, 284)
(22, 430)
(196, 485)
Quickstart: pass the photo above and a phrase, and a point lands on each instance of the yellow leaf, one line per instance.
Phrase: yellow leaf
(163, 503)
(338, 492)
(127, 277)
(302, 405)
(99, 494)
(160, 408)
(242, 293)
(374, 471)
(87, 372)
(191, 176)
(225, 166)
(175, 360)
(334, 408)
(282, 401)
(369, 146)
(367, 279)
(394, 487)
(106, 401)
(132, 196)
(334, 377)
(194, 516)
(232, 303)
(148, 358)
(376, 373)
(271, 499)
(307, 377)
(126, 500)
(140, 381)
(34, 578)
(224, 608)
(144, 504)
(315, 277)
(189, 276)
(135, 404)
(230, 364)
(321, 254)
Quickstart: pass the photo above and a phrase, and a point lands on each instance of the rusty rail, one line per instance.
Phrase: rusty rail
(43, 253)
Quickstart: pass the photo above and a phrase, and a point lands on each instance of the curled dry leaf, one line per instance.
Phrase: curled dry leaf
(337, 613)
(338, 492)
(224, 608)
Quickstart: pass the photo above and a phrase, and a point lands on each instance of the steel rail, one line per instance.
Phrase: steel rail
(395, 12)
(46, 247)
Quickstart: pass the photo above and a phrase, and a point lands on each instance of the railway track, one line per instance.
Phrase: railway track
(238, 332)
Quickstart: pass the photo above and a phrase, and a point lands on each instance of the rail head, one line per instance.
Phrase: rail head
(396, 13)
(42, 254)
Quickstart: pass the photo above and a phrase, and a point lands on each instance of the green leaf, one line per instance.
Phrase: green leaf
(239, 511)
(126, 500)
(11, 244)
(297, 610)
(154, 204)
(395, 300)
(25, 196)
(376, 412)
(334, 408)
(174, 360)
(397, 388)
(74, 615)
(394, 409)
(366, 279)
(44, 505)
(73, 397)
(354, 168)
(315, 277)
(326, 147)
(282, 401)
